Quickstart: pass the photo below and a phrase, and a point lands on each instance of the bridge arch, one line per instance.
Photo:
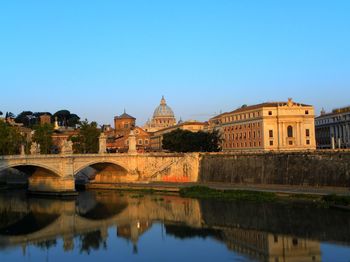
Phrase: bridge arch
(101, 171)
(33, 169)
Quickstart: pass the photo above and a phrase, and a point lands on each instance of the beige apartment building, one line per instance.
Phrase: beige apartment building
(157, 137)
(267, 126)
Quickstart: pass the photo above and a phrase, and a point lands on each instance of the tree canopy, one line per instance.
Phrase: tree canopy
(87, 139)
(30, 119)
(187, 141)
(43, 136)
(10, 139)
(65, 118)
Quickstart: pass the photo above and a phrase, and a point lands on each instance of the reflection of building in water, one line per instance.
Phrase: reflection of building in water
(269, 247)
(133, 231)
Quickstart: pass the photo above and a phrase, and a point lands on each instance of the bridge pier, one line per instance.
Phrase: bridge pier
(51, 186)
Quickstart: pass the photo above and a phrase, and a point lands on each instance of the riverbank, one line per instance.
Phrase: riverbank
(176, 187)
(323, 197)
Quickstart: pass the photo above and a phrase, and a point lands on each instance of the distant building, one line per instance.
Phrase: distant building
(45, 119)
(192, 125)
(267, 126)
(333, 129)
(163, 117)
(118, 139)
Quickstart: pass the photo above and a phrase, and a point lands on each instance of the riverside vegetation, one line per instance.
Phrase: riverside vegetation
(202, 192)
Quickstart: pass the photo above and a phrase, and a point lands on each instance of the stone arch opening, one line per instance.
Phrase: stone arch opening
(100, 172)
(18, 175)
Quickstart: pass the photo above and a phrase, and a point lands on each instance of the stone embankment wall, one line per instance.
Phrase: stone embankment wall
(316, 168)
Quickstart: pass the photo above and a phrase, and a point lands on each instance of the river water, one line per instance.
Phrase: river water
(129, 226)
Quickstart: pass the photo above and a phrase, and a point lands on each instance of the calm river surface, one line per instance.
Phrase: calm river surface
(115, 226)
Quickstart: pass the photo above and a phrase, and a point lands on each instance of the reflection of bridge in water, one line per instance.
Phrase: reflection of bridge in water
(266, 232)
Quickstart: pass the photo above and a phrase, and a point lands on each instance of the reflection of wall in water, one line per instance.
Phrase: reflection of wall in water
(269, 247)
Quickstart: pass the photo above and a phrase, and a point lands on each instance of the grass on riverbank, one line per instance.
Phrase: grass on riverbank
(337, 200)
(209, 193)
(258, 196)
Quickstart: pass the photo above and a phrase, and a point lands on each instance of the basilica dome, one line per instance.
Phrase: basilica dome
(163, 110)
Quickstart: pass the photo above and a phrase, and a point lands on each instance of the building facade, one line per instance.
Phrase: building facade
(333, 129)
(163, 117)
(118, 139)
(157, 137)
(267, 126)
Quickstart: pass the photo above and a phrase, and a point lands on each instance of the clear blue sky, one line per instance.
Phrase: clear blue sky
(96, 58)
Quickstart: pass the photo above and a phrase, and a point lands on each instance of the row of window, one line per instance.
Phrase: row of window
(243, 135)
(236, 127)
(159, 121)
(290, 132)
(241, 116)
(333, 119)
(139, 142)
(290, 142)
(241, 145)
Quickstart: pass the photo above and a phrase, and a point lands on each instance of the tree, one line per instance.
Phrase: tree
(26, 118)
(73, 120)
(10, 140)
(1, 113)
(65, 118)
(87, 139)
(43, 136)
(9, 115)
(187, 141)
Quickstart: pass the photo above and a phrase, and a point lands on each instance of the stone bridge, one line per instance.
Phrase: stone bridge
(57, 173)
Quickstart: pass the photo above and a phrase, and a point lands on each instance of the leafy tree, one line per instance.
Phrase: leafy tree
(10, 140)
(9, 115)
(87, 139)
(73, 120)
(187, 141)
(62, 117)
(65, 118)
(43, 136)
(1, 113)
(26, 118)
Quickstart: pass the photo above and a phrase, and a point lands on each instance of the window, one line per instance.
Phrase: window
(146, 142)
(126, 125)
(271, 133)
(290, 143)
(306, 112)
(290, 131)
(307, 131)
(270, 113)
(295, 241)
(308, 142)
(140, 141)
(271, 143)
